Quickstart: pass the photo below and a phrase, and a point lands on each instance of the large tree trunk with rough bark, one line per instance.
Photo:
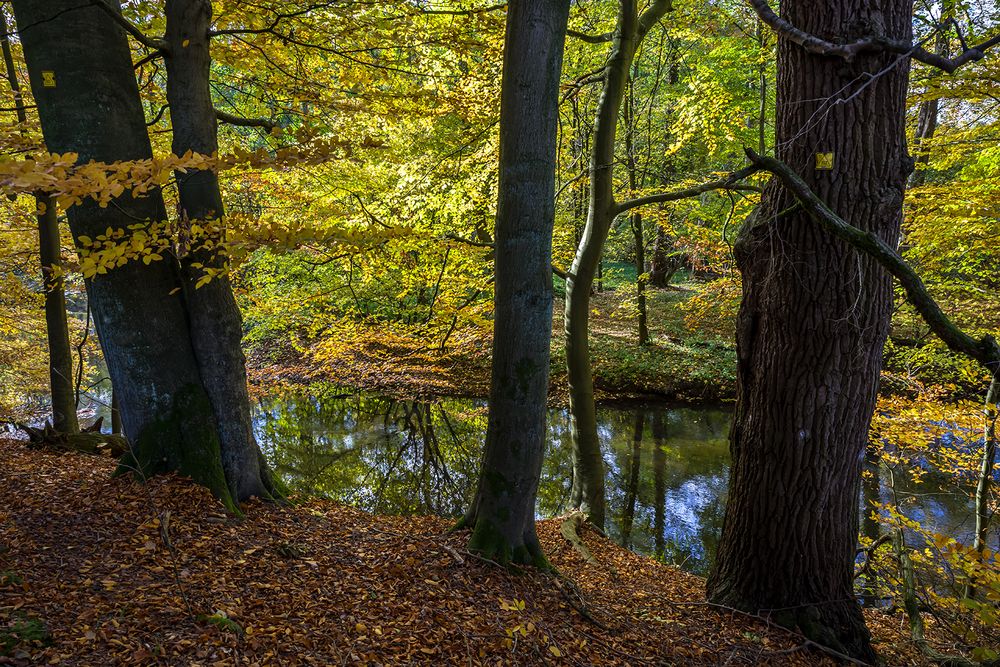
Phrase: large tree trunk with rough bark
(814, 318)
(141, 316)
(63, 396)
(502, 517)
(214, 318)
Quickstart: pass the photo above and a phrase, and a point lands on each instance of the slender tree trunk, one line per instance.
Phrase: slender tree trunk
(587, 493)
(63, 397)
(632, 486)
(659, 484)
(94, 110)
(214, 318)
(502, 517)
(927, 114)
(635, 218)
(987, 464)
(811, 328)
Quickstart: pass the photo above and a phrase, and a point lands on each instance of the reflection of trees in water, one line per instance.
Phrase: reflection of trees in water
(667, 468)
(390, 456)
(667, 471)
(380, 454)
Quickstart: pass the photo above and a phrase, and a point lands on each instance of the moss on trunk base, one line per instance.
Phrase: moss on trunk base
(184, 440)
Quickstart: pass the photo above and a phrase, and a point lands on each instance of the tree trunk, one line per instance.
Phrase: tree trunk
(214, 318)
(663, 264)
(635, 218)
(632, 486)
(659, 484)
(587, 493)
(502, 517)
(812, 324)
(63, 397)
(94, 110)
(927, 114)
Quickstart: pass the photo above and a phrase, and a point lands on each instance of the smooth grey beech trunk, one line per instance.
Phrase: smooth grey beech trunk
(502, 516)
(810, 332)
(140, 312)
(61, 390)
(214, 317)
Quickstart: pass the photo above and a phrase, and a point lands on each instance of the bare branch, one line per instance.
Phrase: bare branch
(848, 52)
(159, 115)
(729, 182)
(985, 351)
(652, 16)
(231, 119)
(463, 12)
(591, 39)
(157, 44)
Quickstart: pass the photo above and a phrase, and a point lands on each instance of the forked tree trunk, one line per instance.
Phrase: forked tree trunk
(813, 320)
(502, 517)
(94, 109)
(63, 397)
(587, 493)
(214, 318)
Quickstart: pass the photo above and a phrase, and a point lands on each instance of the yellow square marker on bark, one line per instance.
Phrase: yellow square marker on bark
(48, 79)
(824, 161)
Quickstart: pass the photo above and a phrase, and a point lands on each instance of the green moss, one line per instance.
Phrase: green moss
(184, 440)
(23, 631)
(489, 542)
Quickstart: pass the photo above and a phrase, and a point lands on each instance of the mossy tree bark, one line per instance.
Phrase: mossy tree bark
(214, 318)
(502, 516)
(141, 315)
(811, 327)
(63, 397)
(587, 493)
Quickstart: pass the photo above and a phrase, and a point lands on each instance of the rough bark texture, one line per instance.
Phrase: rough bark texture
(812, 324)
(95, 110)
(503, 514)
(63, 397)
(214, 318)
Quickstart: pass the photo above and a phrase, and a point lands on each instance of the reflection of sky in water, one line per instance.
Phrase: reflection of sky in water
(403, 457)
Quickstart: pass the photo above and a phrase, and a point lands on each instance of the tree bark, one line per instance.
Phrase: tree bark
(811, 328)
(215, 322)
(94, 110)
(61, 391)
(502, 517)
(587, 493)
(635, 218)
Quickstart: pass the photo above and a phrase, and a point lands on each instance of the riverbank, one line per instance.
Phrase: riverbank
(675, 366)
(95, 570)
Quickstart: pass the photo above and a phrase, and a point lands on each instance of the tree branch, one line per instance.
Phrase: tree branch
(231, 119)
(158, 44)
(652, 16)
(591, 39)
(848, 52)
(985, 351)
(730, 182)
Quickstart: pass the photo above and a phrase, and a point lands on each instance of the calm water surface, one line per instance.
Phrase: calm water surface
(667, 465)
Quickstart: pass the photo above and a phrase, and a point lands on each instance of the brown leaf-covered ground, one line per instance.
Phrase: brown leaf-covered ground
(123, 573)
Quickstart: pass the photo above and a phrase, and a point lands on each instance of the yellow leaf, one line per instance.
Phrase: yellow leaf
(554, 651)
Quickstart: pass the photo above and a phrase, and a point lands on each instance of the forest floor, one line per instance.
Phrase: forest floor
(676, 365)
(101, 571)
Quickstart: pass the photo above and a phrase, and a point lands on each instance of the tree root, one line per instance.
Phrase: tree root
(88, 441)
